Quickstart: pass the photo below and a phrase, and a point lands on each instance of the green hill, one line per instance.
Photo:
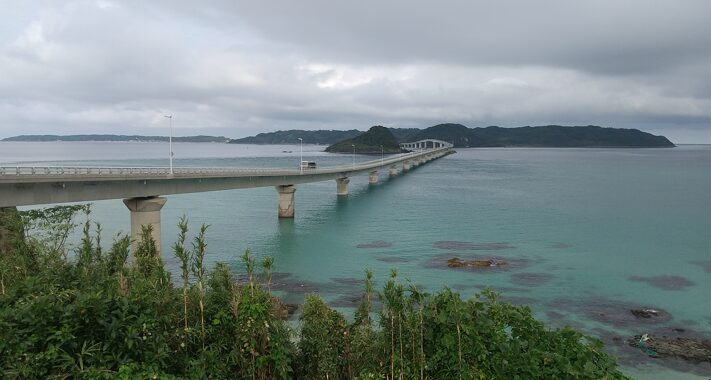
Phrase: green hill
(543, 136)
(323, 137)
(378, 139)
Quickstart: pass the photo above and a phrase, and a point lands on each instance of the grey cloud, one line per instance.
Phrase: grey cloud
(599, 36)
(238, 67)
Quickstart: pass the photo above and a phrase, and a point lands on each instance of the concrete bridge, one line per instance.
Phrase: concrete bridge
(142, 188)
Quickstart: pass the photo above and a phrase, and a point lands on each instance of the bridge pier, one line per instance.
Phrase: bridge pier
(392, 171)
(373, 177)
(342, 186)
(145, 211)
(405, 165)
(286, 200)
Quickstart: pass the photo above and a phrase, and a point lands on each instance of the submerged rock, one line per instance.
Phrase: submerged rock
(375, 244)
(706, 265)
(646, 313)
(467, 246)
(531, 279)
(690, 349)
(477, 263)
(664, 282)
(610, 312)
(456, 262)
(393, 259)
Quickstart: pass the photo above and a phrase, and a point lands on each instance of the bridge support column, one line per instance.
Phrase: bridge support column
(145, 211)
(286, 200)
(342, 186)
(392, 171)
(373, 177)
(405, 165)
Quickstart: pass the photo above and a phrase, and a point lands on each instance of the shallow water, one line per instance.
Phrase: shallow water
(586, 234)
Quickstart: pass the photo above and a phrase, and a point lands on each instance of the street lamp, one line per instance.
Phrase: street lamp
(301, 155)
(353, 145)
(382, 156)
(170, 142)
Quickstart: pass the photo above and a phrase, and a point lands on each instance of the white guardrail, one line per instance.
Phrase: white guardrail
(93, 171)
(15, 171)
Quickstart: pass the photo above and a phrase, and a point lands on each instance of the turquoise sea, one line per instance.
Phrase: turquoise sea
(588, 234)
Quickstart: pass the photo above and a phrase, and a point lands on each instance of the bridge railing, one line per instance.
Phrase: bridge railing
(69, 170)
(15, 171)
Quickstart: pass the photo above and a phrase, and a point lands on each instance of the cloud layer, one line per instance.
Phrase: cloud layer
(242, 67)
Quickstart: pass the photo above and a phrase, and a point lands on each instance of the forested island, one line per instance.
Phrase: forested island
(542, 136)
(378, 140)
(461, 136)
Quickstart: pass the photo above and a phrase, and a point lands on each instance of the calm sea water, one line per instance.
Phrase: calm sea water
(588, 234)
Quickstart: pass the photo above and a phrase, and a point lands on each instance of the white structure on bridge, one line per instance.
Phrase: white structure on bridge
(426, 144)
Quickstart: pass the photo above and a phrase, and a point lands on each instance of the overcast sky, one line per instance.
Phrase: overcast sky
(237, 68)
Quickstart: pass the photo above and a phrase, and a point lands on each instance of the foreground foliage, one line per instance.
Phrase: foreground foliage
(92, 314)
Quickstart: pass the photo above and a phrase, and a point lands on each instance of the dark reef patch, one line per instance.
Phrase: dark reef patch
(530, 279)
(393, 259)
(614, 313)
(664, 282)
(349, 281)
(706, 265)
(469, 246)
(695, 350)
(375, 244)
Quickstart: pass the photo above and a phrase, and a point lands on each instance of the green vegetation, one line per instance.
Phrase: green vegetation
(90, 313)
(378, 140)
(543, 136)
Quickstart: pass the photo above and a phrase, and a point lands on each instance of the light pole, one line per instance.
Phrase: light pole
(170, 142)
(353, 145)
(301, 155)
(382, 156)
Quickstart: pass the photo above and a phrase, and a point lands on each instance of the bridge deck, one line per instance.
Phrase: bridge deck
(42, 185)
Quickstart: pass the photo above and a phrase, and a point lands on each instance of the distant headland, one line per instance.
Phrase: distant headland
(461, 136)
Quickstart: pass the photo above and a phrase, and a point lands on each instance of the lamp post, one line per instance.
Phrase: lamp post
(382, 155)
(301, 155)
(353, 145)
(170, 142)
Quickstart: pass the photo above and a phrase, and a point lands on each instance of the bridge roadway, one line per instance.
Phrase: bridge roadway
(142, 188)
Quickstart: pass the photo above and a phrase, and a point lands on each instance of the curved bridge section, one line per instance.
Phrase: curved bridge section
(426, 144)
(142, 188)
